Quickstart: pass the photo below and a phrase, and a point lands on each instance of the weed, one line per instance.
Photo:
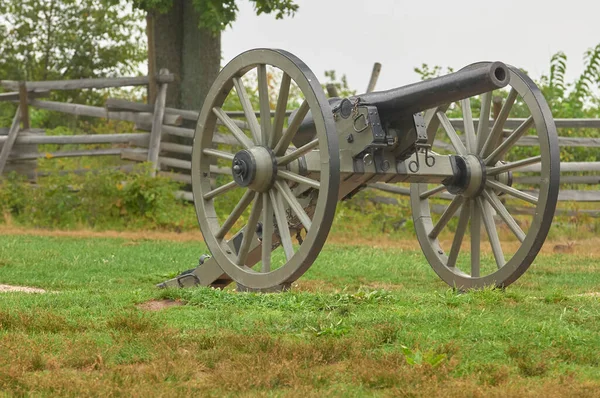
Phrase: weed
(556, 297)
(132, 321)
(38, 362)
(335, 329)
(529, 368)
(386, 334)
(418, 358)
(492, 374)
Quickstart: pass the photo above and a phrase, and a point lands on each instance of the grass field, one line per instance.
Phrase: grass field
(362, 321)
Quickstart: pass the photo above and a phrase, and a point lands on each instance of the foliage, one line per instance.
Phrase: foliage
(108, 199)
(577, 99)
(429, 72)
(342, 86)
(418, 358)
(216, 15)
(68, 39)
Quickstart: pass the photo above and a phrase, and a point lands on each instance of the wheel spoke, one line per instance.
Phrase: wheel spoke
(221, 190)
(236, 213)
(492, 198)
(267, 233)
(484, 119)
(446, 216)
(265, 104)
(235, 130)
(509, 142)
(290, 157)
(512, 191)
(220, 170)
(468, 123)
(250, 230)
(454, 138)
(218, 154)
(492, 171)
(433, 191)
(475, 239)
(288, 175)
(490, 227)
(296, 207)
(282, 225)
(282, 100)
(460, 233)
(247, 107)
(495, 136)
(288, 136)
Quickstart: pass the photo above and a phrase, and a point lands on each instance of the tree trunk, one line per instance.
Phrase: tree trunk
(191, 53)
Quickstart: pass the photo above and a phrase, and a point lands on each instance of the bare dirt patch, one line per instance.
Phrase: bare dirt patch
(158, 305)
(24, 289)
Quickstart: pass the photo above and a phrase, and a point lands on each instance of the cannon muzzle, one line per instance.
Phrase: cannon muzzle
(405, 101)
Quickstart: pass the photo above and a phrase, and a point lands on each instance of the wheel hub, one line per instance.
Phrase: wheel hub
(255, 168)
(469, 180)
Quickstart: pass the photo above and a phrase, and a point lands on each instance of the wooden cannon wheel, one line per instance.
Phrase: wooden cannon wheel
(264, 200)
(501, 180)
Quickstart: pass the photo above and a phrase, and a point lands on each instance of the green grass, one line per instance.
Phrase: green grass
(361, 322)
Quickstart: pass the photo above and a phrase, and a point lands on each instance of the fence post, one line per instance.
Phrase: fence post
(10, 139)
(24, 105)
(157, 121)
(332, 90)
(496, 106)
(374, 77)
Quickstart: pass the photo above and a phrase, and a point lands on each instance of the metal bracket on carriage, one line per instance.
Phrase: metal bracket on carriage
(368, 133)
(207, 273)
(421, 144)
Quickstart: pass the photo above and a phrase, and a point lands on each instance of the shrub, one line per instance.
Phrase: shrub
(107, 199)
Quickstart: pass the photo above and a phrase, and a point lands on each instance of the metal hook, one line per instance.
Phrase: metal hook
(366, 122)
(414, 163)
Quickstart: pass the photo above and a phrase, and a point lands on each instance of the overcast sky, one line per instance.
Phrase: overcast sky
(350, 35)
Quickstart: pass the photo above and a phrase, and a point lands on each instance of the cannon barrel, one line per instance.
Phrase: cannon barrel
(417, 97)
(399, 103)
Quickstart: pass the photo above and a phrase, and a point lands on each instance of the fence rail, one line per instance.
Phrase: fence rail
(157, 122)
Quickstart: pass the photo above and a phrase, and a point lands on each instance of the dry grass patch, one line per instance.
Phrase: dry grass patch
(585, 247)
(308, 285)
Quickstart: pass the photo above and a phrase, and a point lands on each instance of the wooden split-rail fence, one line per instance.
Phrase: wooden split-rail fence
(158, 126)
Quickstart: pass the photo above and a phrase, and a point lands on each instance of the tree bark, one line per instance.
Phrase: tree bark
(168, 42)
(191, 53)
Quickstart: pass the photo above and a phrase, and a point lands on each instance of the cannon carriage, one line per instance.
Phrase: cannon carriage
(266, 219)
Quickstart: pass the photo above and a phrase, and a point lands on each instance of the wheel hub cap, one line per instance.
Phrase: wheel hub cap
(255, 168)
(469, 181)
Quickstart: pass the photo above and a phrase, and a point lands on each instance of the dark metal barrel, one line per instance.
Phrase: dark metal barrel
(427, 94)
(400, 103)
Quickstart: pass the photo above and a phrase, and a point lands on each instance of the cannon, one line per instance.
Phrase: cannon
(266, 186)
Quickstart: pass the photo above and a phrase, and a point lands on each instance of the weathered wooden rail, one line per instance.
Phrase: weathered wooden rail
(157, 122)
